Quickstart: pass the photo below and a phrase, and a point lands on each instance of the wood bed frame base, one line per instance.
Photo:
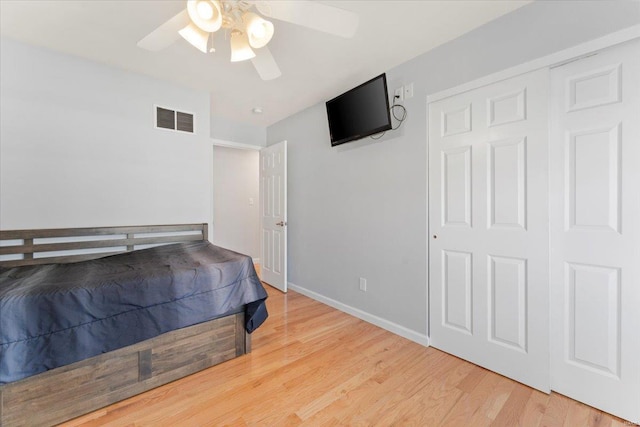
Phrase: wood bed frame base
(67, 392)
(70, 391)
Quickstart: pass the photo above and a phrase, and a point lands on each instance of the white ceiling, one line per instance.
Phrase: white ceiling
(315, 66)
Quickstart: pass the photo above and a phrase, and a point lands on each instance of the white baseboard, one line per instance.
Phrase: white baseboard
(363, 315)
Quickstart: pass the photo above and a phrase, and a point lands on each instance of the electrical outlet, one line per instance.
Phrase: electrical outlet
(399, 94)
(250, 201)
(363, 284)
(408, 91)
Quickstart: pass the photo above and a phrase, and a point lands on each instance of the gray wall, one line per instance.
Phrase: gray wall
(236, 223)
(360, 210)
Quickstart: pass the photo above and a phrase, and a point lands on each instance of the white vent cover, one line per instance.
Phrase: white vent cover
(173, 120)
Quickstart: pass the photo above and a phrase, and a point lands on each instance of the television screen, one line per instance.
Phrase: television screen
(360, 112)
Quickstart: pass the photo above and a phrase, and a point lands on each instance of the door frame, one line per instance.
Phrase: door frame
(227, 144)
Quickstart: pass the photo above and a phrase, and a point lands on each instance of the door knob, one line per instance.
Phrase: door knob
(281, 223)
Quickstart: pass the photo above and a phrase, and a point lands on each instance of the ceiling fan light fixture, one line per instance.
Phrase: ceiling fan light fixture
(259, 30)
(206, 14)
(205, 10)
(240, 49)
(198, 38)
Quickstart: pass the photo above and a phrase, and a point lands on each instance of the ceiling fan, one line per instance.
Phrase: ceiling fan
(247, 30)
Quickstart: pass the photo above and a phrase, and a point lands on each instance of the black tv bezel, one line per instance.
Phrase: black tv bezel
(383, 128)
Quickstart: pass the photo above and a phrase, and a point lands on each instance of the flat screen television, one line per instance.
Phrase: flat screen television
(359, 112)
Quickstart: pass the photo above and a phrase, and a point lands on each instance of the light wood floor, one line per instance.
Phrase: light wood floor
(313, 365)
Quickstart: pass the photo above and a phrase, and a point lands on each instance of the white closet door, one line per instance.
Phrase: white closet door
(488, 220)
(595, 217)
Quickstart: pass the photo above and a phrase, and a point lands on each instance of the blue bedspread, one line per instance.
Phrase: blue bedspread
(55, 314)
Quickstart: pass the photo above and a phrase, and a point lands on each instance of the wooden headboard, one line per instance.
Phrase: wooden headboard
(63, 245)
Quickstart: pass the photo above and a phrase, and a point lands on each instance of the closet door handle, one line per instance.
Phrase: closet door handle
(281, 223)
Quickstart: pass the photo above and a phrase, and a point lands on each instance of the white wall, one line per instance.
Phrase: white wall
(236, 223)
(78, 146)
(360, 210)
(226, 129)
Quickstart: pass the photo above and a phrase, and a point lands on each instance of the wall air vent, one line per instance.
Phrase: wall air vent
(184, 122)
(173, 120)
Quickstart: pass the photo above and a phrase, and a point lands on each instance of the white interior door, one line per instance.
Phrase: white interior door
(595, 219)
(273, 215)
(488, 220)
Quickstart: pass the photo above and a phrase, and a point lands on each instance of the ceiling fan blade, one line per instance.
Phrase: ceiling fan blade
(266, 65)
(312, 14)
(165, 34)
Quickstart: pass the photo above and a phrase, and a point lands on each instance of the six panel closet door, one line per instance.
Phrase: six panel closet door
(488, 220)
(534, 222)
(595, 234)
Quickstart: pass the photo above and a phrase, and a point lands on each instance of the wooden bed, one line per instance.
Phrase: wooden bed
(73, 390)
